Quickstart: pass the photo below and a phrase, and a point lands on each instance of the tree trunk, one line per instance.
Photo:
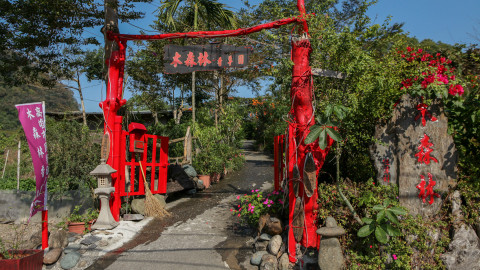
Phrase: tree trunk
(111, 24)
(84, 114)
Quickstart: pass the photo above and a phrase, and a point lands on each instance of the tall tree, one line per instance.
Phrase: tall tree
(210, 12)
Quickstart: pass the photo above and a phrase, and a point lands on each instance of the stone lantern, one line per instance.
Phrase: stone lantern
(102, 172)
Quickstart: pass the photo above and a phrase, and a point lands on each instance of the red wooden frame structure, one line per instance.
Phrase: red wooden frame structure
(301, 112)
(154, 164)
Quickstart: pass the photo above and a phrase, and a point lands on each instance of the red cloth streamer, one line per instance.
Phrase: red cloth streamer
(209, 34)
(422, 107)
(302, 112)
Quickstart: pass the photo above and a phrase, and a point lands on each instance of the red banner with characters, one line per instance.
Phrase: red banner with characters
(186, 59)
(32, 117)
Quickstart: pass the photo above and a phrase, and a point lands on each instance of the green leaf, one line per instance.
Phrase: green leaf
(397, 210)
(334, 134)
(391, 216)
(313, 135)
(367, 220)
(366, 230)
(381, 216)
(386, 203)
(378, 207)
(328, 110)
(322, 140)
(381, 235)
(392, 231)
(339, 111)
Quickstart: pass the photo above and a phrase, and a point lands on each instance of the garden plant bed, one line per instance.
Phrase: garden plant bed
(31, 259)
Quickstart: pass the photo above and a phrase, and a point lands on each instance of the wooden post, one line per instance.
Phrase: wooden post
(5, 165)
(18, 164)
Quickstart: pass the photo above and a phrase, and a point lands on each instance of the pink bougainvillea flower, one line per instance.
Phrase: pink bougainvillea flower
(370, 246)
(238, 197)
(238, 215)
(253, 191)
(394, 256)
(256, 190)
(459, 89)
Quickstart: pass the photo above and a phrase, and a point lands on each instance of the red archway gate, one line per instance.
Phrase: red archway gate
(302, 114)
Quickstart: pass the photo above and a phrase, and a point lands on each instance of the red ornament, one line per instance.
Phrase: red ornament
(425, 150)
(422, 107)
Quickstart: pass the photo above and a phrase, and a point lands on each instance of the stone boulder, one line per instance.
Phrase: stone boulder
(397, 143)
(58, 239)
(52, 256)
(464, 251)
(269, 262)
(138, 206)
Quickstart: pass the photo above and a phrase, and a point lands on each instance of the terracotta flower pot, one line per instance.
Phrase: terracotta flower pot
(76, 227)
(205, 179)
(29, 259)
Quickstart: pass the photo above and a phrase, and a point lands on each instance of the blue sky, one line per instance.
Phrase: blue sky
(440, 20)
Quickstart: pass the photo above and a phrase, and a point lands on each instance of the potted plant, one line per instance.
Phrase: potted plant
(15, 258)
(78, 223)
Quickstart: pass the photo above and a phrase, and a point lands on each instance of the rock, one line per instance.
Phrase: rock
(103, 243)
(260, 246)
(274, 226)
(52, 256)
(82, 264)
(265, 237)
(161, 199)
(70, 239)
(90, 240)
(331, 232)
(398, 142)
(330, 255)
(35, 239)
(257, 257)
(138, 206)
(275, 244)
(189, 170)
(269, 262)
(92, 247)
(70, 260)
(456, 201)
(284, 262)
(58, 239)
(464, 252)
(72, 247)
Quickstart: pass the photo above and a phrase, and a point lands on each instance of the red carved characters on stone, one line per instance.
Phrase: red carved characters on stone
(176, 60)
(422, 195)
(386, 176)
(429, 189)
(425, 150)
(422, 107)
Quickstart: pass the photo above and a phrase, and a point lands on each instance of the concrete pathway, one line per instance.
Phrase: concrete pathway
(202, 234)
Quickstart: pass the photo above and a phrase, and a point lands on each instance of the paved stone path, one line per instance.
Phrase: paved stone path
(202, 234)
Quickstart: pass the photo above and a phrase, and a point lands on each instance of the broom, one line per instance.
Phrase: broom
(153, 208)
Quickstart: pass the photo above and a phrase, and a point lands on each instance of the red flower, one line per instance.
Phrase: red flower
(409, 49)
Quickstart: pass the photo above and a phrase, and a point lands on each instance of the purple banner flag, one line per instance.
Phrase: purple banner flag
(32, 117)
